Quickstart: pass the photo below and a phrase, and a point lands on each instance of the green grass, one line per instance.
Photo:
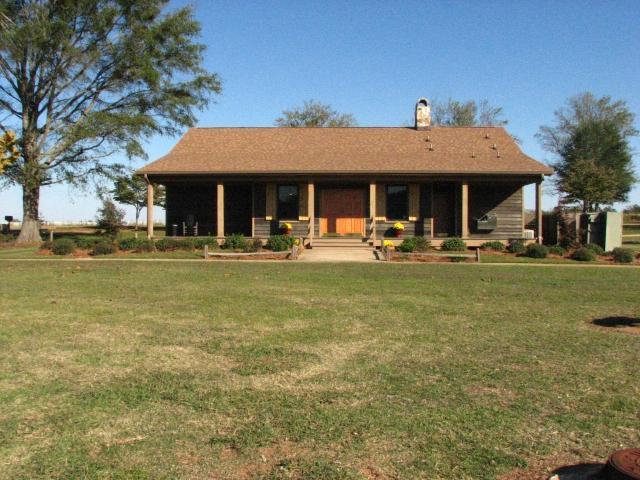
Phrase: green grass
(288, 370)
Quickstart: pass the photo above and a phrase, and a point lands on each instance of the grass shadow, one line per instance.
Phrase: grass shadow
(580, 471)
(617, 322)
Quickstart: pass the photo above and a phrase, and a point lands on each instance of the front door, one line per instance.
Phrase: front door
(342, 211)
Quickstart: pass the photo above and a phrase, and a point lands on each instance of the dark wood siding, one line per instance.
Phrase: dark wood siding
(502, 200)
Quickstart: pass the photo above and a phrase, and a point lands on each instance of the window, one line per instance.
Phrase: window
(397, 202)
(288, 202)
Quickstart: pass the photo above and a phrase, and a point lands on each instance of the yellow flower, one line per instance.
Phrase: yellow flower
(387, 244)
(286, 226)
(398, 226)
(296, 241)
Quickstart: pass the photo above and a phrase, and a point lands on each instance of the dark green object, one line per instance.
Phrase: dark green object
(583, 255)
(622, 255)
(535, 250)
(454, 245)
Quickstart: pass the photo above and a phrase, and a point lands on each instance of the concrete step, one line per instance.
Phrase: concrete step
(341, 242)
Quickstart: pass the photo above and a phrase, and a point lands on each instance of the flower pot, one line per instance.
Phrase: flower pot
(398, 233)
(286, 231)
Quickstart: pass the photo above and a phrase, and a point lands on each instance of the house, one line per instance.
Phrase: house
(437, 181)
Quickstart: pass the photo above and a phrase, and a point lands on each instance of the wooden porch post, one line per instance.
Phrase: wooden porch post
(311, 206)
(465, 209)
(149, 208)
(220, 209)
(372, 209)
(539, 211)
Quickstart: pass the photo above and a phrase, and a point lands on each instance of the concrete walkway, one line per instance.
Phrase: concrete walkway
(337, 254)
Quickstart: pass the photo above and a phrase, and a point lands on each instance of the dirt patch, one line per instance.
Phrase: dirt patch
(485, 394)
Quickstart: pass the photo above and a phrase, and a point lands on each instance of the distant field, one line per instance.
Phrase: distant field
(312, 371)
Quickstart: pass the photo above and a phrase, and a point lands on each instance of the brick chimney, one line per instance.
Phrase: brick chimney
(423, 114)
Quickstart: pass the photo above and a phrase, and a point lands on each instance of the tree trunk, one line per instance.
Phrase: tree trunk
(135, 229)
(30, 231)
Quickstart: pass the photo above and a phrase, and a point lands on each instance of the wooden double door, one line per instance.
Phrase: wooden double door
(342, 211)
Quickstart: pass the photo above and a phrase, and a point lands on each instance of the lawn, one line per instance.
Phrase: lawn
(287, 370)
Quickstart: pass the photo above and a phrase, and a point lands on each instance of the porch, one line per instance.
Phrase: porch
(475, 209)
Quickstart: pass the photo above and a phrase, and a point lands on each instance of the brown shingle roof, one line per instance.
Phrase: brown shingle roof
(346, 150)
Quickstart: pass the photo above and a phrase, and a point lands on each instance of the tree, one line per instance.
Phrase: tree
(314, 114)
(110, 218)
(132, 190)
(466, 114)
(590, 142)
(83, 79)
(8, 150)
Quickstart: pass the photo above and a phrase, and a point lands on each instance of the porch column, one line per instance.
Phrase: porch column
(539, 211)
(465, 209)
(149, 208)
(311, 207)
(220, 209)
(372, 210)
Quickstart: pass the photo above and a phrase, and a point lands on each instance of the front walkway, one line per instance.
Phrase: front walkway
(337, 254)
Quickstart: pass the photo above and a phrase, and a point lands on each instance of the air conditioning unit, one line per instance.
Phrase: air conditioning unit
(529, 235)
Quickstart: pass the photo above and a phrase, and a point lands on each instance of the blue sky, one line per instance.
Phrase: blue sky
(374, 59)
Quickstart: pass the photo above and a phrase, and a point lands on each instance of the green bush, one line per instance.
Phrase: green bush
(583, 255)
(63, 246)
(167, 244)
(200, 242)
(414, 244)
(494, 245)
(46, 245)
(145, 245)
(595, 248)
(517, 246)
(86, 242)
(453, 245)
(557, 250)
(253, 246)
(280, 243)
(235, 242)
(103, 248)
(128, 243)
(535, 250)
(622, 255)
(188, 244)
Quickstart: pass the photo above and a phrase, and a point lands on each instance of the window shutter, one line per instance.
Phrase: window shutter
(414, 202)
(303, 214)
(381, 202)
(270, 210)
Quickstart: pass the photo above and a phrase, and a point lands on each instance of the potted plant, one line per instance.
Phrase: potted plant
(286, 228)
(398, 229)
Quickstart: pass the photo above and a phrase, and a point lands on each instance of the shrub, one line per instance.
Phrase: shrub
(595, 248)
(188, 244)
(517, 246)
(63, 246)
(103, 248)
(128, 243)
(535, 250)
(583, 255)
(494, 245)
(453, 245)
(86, 242)
(422, 244)
(622, 255)
(110, 218)
(145, 245)
(235, 242)
(46, 245)
(253, 246)
(167, 244)
(279, 243)
(200, 242)
(557, 250)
